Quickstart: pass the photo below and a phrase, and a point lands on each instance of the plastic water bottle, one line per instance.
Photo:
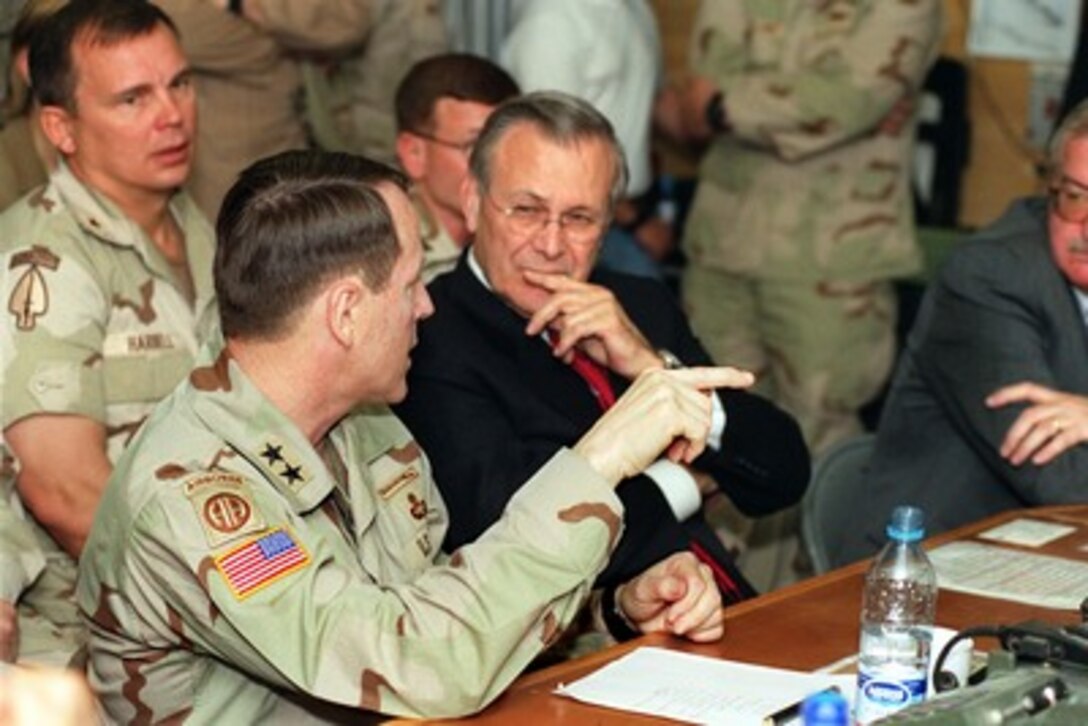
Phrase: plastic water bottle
(897, 613)
(826, 708)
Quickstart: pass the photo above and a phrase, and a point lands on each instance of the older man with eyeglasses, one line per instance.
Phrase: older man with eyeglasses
(526, 349)
(989, 407)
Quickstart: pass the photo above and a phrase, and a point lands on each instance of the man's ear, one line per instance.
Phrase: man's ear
(346, 302)
(470, 202)
(57, 124)
(412, 155)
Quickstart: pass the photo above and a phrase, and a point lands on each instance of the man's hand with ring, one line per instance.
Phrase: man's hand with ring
(1054, 422)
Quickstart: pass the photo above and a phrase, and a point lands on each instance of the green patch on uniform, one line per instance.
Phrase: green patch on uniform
(224, 506)
(262, 561)
(284, 462)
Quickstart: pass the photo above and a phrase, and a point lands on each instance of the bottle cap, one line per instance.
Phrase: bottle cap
(907, 524)
(826, 708)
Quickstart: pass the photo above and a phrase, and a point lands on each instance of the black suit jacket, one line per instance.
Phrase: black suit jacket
(1000, 312)
(490, 405)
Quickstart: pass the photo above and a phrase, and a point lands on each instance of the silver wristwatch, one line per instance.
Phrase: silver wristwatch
(669, 360)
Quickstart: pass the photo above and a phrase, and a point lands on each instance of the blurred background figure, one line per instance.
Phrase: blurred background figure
(441, 106)
(349, 94)
(803, 214)
(248, 89)
(26, 156)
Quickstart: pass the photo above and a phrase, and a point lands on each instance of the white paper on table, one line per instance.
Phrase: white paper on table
(1027, 532)
(1007, 574)
(696, 689)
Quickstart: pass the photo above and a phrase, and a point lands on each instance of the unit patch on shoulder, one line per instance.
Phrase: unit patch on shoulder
(224, 506)
(29, 298)
(261, 561)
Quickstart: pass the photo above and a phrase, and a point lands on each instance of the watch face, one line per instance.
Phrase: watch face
(671, 362)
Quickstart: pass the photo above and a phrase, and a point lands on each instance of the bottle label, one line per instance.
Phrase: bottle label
(879, 695)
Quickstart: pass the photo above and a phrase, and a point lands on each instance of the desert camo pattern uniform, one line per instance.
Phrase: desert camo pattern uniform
(359, 50)
(440, 252)
(247, 577)
(803, 211)
(94, 325)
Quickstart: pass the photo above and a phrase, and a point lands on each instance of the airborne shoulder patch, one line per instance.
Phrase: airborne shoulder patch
(224, 506)
(261, 561)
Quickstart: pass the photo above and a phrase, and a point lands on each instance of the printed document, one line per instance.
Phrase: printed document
(1007, 574)
(696, 689)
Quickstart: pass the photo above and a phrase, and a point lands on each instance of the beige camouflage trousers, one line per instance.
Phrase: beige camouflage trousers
(820, 350)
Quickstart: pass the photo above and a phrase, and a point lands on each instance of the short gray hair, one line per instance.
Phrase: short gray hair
(563, 119)
(1073, 126)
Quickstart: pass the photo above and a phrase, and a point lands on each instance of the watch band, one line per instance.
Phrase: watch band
(619, 627)
(669, 360)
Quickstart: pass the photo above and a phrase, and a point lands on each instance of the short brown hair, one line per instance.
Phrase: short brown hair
(290, 223)
(53, 74)
(460, 76)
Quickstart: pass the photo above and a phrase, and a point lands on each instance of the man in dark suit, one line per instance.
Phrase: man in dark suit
(525, 350)
(989, 407)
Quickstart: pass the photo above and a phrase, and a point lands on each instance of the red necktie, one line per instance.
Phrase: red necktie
(596, 378)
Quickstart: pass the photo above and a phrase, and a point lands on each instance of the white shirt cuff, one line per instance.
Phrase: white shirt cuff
(678, 487)
(717, 422)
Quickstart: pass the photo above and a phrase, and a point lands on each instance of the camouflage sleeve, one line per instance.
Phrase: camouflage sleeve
(318, 25)
(217, 42)
(53, 332)
(305, 618)
(21, 559)
(856, 69)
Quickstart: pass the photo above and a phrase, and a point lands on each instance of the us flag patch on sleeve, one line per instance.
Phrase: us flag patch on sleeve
(261, 561)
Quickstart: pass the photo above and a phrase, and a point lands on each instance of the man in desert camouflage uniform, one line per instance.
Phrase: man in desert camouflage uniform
(803, 213)
(273, 549)
(441, 107)
(356, 52)
(105, 275)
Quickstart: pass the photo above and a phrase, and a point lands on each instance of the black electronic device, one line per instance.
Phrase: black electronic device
(1039, 677)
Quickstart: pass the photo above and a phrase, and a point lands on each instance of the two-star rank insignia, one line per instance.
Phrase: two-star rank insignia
(284, 462)
(29, 298)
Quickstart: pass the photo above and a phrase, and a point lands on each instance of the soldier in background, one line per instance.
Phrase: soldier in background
(26, 156)
(273, 546)
(357, 52)
(105, 277)
(441, 107)
(803, 213)
(248, 88)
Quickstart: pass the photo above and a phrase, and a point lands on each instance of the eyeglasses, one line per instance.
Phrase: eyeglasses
(1069, 200)
(527, 219)
(465, 147)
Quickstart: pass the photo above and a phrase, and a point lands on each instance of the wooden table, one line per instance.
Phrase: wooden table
(805, 626)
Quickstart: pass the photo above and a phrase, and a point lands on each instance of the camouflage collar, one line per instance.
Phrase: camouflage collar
(233, 408)
(100, 218)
